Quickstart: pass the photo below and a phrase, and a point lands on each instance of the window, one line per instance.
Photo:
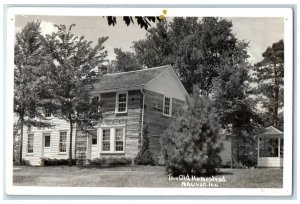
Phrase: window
(268, 147)
(119, 143)
(95, 104)
(167, 106)
(63, 142)
(47, 139)
(94, 137)
(113, 139)
(30, 143)
(32, 110)
(281, 148)
(121, 103)
(106, 140)
(47, 112)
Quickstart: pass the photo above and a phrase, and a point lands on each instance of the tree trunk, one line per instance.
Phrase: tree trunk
(70, 148)
(276, 98)
(21, 142)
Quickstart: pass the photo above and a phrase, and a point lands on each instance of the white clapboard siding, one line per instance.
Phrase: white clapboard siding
(168, 84)
(38, 142)
(269, 162)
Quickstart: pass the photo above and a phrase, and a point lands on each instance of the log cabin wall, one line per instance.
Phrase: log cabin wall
(131, 120)
(154, 119)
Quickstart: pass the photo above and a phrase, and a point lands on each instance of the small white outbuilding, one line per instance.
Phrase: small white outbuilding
(270, 148)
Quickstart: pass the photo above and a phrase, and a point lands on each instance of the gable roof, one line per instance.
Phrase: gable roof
(272, 131)
(127, 80)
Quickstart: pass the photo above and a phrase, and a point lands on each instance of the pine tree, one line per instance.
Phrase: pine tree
(30, 59)
(269, 76)
(70, 78)
(192, 143)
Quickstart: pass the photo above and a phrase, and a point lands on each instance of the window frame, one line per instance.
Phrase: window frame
(112, 139)
(32, 143)
(48, 109)
(170, 106)
(44, 140)
(99, 99)
(60, 142)
(117, 102)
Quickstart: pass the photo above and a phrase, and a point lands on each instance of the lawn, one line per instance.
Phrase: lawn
(142, 176)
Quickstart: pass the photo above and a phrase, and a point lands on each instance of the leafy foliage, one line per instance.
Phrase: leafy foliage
(70, 78)
(192, 143)
(194, 48)
(144, 156)
(125, 61)
(111, 161)
(142, 21)
(56, 162)
(29, 59)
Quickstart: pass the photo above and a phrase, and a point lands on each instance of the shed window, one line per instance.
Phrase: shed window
(121, 102)
(119, 137)
(106, 140)
(167, 106)
(30, 143)
(268, 147)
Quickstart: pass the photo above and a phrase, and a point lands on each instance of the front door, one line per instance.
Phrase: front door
(46, 144)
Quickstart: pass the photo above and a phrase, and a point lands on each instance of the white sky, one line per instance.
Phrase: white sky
(260, 32)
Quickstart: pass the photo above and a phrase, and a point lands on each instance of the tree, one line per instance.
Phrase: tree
(191, 144)
(29, 59)
(125, 61)
(269, 76)
(70, 78)
(144, 156)
(235, 108)
(142, 21)
(194, 48)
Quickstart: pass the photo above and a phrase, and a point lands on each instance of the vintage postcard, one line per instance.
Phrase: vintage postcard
(149, 101)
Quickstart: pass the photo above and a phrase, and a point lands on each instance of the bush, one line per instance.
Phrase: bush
(25, 162)
(56, 162)
(144, 156)
(192, 143)
(111, 161)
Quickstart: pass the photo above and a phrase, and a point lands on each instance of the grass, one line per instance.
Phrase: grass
(139, 176)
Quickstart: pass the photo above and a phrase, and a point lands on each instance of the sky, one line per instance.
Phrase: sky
(259, 32)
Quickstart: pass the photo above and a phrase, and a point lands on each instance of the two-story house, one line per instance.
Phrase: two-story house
(129, 101)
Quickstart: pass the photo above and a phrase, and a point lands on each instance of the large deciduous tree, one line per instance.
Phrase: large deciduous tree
(70, 78)
(269, 76)
(194, 47)
(125, 61)
(29, 59)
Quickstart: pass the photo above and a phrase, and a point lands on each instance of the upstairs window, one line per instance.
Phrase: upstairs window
(121, 102)
(167, 106)
(47, 112)
(95, 104)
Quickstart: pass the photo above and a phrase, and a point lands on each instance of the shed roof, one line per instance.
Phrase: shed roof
(128, 80)
(272, 131)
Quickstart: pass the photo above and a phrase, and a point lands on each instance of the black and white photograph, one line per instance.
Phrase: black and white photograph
(156, 101)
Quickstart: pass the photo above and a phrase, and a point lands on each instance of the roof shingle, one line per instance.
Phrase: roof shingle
(127, 80)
